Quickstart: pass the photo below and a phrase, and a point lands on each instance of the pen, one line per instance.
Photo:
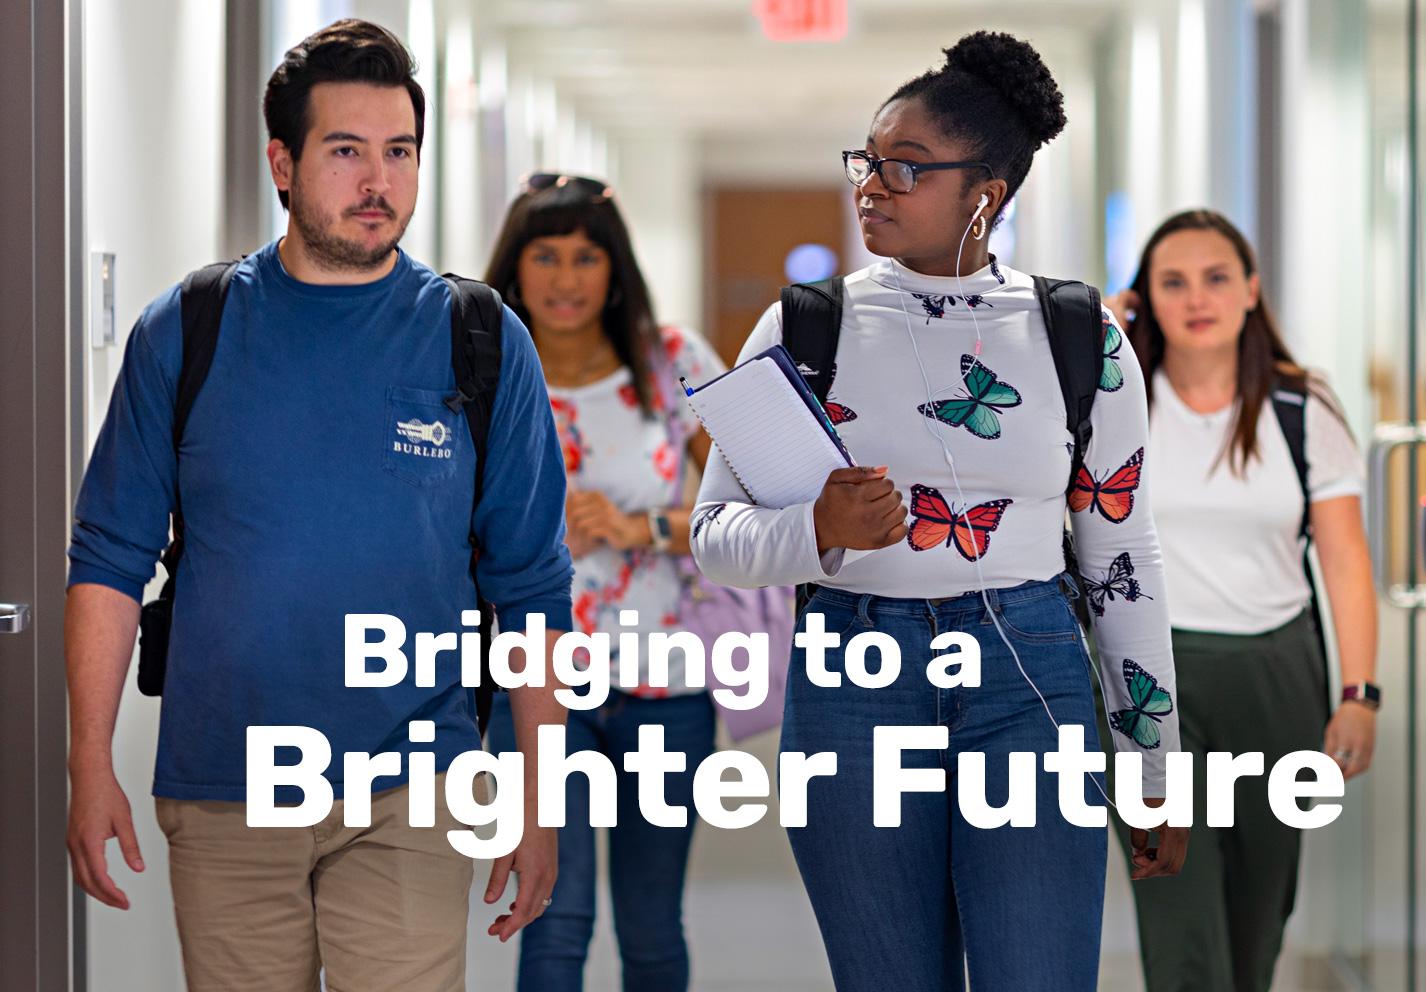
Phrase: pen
(684, 383)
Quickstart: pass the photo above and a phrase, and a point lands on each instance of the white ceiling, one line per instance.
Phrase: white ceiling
(703, 66)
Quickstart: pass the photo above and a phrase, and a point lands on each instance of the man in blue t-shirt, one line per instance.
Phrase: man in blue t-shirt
(321, 474)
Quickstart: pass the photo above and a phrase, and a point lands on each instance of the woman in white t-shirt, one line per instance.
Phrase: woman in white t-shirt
(565, 263)
(1224, 396)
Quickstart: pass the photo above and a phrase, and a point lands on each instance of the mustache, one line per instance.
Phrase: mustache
(372, 203)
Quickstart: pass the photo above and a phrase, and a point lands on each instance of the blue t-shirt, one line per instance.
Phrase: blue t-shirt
(321, 474)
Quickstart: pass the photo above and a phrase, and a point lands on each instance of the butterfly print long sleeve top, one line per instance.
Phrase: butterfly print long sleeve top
(1001, 416)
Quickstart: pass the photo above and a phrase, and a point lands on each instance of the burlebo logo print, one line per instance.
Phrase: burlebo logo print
(422, 440)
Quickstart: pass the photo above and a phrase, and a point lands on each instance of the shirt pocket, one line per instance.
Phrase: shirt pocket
(418, 436)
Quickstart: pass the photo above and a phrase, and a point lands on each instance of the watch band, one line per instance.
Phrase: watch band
(660, 529)
(1366, 693)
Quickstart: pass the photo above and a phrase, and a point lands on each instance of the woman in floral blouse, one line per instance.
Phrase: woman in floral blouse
(565, 264)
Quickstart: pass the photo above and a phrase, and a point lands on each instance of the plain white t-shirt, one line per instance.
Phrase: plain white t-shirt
(1232, 557)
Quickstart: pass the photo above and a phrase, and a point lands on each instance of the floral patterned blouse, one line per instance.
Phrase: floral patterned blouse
(610, 446)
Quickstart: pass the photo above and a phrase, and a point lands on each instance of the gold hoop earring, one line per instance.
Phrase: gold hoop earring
(984, 228)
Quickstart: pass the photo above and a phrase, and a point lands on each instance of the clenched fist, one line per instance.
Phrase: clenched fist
(861, 509)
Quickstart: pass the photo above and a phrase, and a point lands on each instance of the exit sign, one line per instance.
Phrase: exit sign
(803, 20)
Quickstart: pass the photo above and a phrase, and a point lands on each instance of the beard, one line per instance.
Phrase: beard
(330, 250)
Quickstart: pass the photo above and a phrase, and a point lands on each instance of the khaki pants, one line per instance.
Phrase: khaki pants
(380, 907)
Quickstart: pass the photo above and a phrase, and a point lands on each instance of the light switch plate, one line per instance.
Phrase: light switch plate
(101, 299)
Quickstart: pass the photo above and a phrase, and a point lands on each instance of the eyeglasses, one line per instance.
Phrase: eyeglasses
(537, 182)
(897, 174)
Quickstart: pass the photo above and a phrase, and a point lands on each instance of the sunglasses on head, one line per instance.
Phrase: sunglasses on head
(537, 182)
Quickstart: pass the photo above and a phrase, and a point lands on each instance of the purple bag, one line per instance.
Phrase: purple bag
(708, 609)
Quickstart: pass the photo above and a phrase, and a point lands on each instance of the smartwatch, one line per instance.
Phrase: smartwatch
(1366, 693)
(660, 529)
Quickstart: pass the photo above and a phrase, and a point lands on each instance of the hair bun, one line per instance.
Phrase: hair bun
(1014, 70)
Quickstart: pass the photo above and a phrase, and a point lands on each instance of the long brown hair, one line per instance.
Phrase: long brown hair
(1264, 363)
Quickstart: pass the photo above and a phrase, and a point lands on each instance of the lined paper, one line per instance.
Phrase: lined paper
(770, 439)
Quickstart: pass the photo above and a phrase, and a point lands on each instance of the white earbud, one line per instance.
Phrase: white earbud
(984, 202)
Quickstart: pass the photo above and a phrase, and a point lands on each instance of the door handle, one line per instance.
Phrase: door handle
(14, 617)
(1386, 439)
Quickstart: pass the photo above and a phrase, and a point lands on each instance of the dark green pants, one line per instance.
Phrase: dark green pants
(1217, 926)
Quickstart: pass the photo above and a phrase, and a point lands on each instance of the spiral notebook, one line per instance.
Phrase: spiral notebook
(771, 430)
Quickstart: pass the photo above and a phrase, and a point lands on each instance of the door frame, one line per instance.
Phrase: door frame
(41, 403)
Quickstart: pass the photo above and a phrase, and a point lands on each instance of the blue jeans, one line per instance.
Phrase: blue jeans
(914, 908)
(646, 863)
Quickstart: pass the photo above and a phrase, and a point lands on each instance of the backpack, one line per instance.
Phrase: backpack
(1289, 400)
(477, 316)
(812, 325)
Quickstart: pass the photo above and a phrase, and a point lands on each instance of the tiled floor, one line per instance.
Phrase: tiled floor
(735, 949)
(751, 929)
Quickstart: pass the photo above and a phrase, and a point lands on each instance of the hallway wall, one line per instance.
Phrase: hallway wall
(152, 188)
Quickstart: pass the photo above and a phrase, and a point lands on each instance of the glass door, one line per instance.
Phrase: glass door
(1389, 956)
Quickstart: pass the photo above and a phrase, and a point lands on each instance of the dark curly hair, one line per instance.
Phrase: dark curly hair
(996, 94)
(345, 51)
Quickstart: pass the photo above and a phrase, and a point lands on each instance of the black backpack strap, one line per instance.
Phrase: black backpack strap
(201, 298)
(477, 316)
(811, 328)
(1289, 399)
(477, 319)
(1074, 323)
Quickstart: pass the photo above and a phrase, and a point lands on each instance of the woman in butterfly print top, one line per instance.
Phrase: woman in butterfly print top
(898, 907)
(1230, 507)
(564, 262)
